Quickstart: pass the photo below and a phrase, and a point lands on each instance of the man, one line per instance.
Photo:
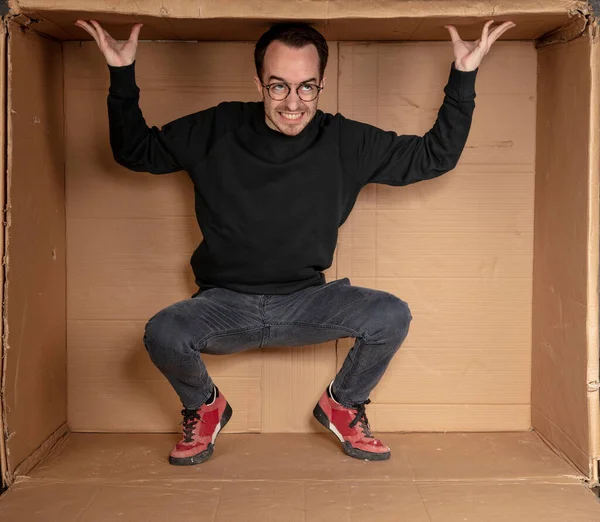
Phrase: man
(273, 182)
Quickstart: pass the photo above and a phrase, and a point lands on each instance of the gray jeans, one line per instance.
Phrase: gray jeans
(221, 321)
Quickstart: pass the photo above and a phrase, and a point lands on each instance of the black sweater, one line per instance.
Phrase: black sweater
(269, 205)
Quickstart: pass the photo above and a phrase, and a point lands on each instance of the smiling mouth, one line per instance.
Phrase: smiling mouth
(291, 116)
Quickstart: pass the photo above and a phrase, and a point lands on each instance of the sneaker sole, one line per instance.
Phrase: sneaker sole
(346, 446)
(203, 456)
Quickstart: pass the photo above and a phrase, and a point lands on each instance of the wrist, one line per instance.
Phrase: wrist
(118, 62)
(463, 68)
(461, 83)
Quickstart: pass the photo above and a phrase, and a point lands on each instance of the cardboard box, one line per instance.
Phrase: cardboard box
(499, 259)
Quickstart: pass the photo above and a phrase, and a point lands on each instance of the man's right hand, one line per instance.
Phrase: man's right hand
(117, 54)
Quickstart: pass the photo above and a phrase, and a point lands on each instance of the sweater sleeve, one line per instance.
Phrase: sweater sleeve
(391, 159)
(139, 147)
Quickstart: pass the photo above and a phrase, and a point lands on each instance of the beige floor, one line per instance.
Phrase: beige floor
(430, 478)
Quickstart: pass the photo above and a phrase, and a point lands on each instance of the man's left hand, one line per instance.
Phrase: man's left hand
(468, 55)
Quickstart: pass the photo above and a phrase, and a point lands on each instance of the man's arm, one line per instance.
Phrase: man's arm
(385, 157)
(134, 144)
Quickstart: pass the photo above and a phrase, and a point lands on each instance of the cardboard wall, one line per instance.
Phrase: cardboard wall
(566, 253)
(458, 249)
(35, 340)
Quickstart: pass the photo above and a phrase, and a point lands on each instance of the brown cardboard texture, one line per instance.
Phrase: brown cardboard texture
(396, 20)
(35, 296)
(498, 261)
(562, 305)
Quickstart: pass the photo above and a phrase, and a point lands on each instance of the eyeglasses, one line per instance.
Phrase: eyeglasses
(280, 91)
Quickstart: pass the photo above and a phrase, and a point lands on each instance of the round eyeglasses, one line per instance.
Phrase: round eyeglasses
(279, 91)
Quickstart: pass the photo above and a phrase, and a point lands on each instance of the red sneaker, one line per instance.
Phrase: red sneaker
(200, 429)
(351, 427)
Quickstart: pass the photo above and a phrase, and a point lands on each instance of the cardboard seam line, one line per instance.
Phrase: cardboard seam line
(589, 480)
(53, 445)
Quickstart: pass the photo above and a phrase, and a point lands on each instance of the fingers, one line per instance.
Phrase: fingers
(485, 33)
(488, 38)
(88, 28)
(500, 30)
(101, 32)
(453, 33)
(135, 33)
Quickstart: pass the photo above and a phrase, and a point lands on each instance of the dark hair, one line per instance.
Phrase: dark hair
(293, 34)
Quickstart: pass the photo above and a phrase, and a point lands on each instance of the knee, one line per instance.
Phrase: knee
(165, 334)
(395, 311)
(392, 318)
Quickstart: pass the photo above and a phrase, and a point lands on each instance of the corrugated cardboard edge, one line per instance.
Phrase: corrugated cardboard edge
(315, 9)
(4, 469)
(7, 475)
(593, 309)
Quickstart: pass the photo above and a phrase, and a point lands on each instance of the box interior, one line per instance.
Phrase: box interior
(505, 335)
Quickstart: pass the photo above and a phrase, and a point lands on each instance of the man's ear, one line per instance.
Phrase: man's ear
(258, 84)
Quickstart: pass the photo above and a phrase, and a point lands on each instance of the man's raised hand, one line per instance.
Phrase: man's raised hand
(117, 53)
(468, 55)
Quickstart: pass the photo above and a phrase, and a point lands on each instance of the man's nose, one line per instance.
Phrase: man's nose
(293, 102)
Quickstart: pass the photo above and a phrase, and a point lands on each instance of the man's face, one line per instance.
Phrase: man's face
(295, 67)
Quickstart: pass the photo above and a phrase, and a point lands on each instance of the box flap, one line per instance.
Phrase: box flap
(232, 20)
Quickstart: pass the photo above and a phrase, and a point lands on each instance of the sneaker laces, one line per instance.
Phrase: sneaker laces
(361, 419)
(190, 419)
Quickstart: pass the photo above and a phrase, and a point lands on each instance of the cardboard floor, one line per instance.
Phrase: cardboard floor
(431, 477)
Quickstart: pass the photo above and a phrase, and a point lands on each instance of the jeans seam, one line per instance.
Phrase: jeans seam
(318, 325)
(263, 316)
(210, 336)
(357, 346)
